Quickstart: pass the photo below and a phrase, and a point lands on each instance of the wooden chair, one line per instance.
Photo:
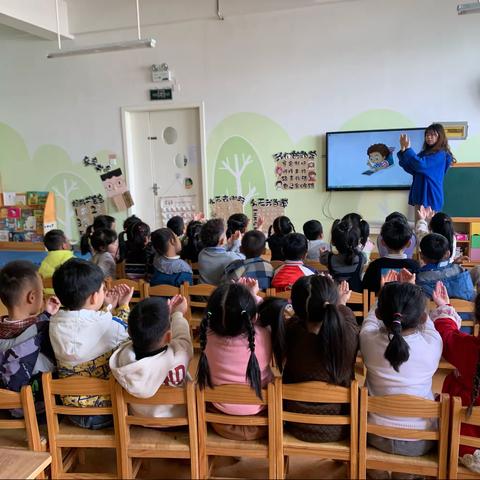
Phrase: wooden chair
(276, 263)
(3, 309)
(138, 287)
(359, 303)
(197, 296)
(162, 291)
(210, 443)
(272, 292)
(138, 442)
(120, 269)
(288, 445)
(319, 267)
(63, 434)
(20, 432)
(432, 464)
(459, 416)
(47, 282)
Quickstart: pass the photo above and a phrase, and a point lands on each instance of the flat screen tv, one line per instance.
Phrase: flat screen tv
(350, 167)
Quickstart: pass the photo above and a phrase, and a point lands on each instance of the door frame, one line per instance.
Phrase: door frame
(127, 138)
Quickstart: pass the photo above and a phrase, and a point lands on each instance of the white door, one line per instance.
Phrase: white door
(165, 164)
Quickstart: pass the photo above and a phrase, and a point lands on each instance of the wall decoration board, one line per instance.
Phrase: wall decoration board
(223, 207)
(295, 170)
(184, 206)
(86, 209)
(268, 209)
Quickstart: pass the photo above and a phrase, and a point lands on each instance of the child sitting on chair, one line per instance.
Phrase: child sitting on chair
(158, 353)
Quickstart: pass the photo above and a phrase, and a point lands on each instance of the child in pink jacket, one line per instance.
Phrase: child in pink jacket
(235, 349)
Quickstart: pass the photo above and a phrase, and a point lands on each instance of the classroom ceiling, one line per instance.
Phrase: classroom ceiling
(88, 16)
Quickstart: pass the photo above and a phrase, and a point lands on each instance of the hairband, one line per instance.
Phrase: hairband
(397, 321)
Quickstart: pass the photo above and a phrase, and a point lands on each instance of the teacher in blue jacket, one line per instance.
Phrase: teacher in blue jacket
(427, 167)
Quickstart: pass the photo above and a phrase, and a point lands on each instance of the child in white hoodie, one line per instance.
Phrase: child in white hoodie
(158, 353)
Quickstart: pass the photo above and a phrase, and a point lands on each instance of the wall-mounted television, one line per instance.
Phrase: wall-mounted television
(350, 167)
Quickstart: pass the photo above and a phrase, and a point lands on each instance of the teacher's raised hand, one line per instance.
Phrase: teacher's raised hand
(404, 142)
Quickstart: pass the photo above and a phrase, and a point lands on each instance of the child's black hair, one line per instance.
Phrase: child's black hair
(138, 235)
(442, 223)
(14, 278)
(357, 221)
(54, 240)
(237, 221)
(124, 236)
(476, 378)
(295, 246)
(101, 239)
(148, 322)
(314, 300)
(161, 239)
(401, 306)
(253, 244)
(434, 247)
(346, 238)
(99, 222)
(313, 229)
(75, 280)
(176, 225)
(396, 216)
(192, 244)
(212, 232)
(396, 234)
(231, 312)
(281, 226)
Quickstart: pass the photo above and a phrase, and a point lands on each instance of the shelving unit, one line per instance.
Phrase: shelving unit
(471, 227)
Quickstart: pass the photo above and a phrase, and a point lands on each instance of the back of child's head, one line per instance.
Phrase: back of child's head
(442, 223)
(102, 238)
(148, 322)
(346, 239)
(401, 306)
(15, 278)
(75, 280)
(176, 225)
(295, 246)
(237, 221)
(129, 222)
(161, 240)
(138, 236)
(314, 300)
(357, 221)
(313, 229)
(396, 216)
(54, 240)
(396, 234)
(192, 244)
(100, 222)
(281, 226)
(212, 231)
(434, 248)
(231, 312)
(253, 244)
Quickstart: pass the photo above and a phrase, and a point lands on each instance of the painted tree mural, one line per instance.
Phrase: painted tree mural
(239, 171)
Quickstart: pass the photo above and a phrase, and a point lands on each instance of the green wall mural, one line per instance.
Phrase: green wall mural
(50, 168)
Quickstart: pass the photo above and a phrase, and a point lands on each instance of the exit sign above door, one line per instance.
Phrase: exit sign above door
(161, 94)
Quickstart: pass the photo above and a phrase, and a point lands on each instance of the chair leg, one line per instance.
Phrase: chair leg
(57, 464)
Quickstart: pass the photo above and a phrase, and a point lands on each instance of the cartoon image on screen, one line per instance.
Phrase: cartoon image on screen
(380, 157)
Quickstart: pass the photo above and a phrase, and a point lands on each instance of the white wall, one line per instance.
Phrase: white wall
(309, 69)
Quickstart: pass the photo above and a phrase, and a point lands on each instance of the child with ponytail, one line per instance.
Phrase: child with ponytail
(347, 264)
(100, 222)
(280, 227)
(463, 352)
(235, 349)
(321, 344)
(401, 350)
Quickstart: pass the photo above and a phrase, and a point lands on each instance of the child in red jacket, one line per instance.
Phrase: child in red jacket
(463, 352)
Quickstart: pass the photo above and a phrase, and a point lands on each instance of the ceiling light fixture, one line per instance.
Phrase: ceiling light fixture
(106, 47)
(466, 8)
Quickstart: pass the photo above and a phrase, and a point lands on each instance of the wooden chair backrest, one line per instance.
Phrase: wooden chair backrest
(164, 396)
(404, 406)
(463, 306)
(12, 400)
(318, 392)
(3, 309)
(272, 292)
(47, 282)
(193, 292)
(162, 291)
(276, 263)
(120, 269)
(319, 267)
(237, 395)
(359, 303)
(459, 417)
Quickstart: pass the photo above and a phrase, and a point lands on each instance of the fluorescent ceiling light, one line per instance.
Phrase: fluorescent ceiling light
(106, 47)
(464, 8)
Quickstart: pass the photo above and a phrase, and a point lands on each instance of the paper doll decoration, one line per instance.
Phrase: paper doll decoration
(295, 170)
(86, 209)
(117, 189)
(93, 162)
(380, 157)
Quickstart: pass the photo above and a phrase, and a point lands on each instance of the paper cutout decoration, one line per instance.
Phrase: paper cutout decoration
(86, 209)
(117, 189)
(183, 206)
(223, 207)
(99, 167)
(295, 170)
(269, 209)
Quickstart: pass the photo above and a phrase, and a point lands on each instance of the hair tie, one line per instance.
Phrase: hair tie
(325, 304)
(397, 321)
(397, 315)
